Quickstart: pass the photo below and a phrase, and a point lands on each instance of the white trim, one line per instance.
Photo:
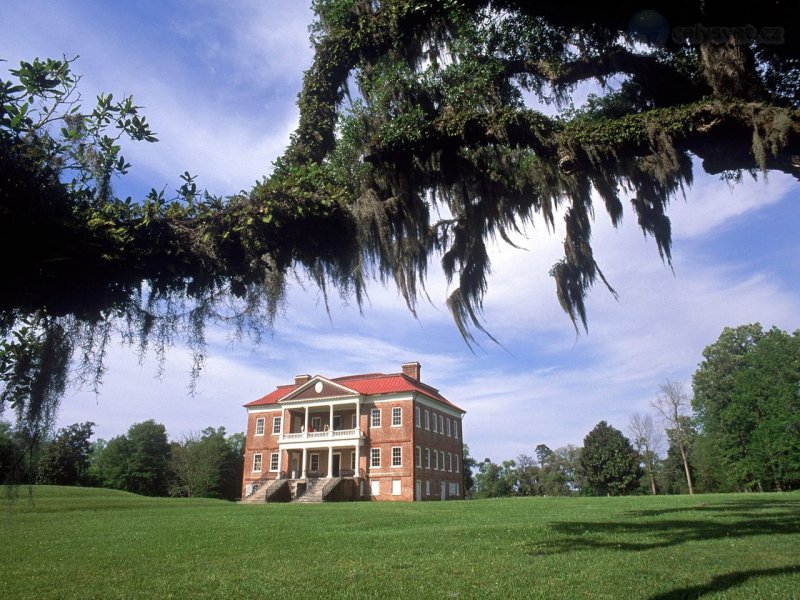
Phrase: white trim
(280, 425)
(260, 461)
(441, 424)
(392, 397)
(254, 410)
(278, 462)
(400, 408)
(371, 458)
(392, 465)
(436, 405)
(311, 383)
(263, 426)
(417, 417)
(311, 456)
(418, 457)
(372, 413)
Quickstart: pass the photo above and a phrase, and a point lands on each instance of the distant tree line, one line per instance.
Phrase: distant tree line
(143, 460)
(738, 431)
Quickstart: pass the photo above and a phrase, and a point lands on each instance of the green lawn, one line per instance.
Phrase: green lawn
(86, 543)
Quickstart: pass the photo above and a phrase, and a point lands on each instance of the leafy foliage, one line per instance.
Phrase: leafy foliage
(461, 132)
(207, 465)
(747, 400)
(65, 459)
(609, 463)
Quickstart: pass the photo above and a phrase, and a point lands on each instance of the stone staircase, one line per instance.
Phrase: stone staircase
(261, 495)
(314, 491)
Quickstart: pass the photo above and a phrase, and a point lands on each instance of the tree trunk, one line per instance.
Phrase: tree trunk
(686, 468)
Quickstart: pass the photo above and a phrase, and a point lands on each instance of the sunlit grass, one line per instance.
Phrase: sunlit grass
(85, 543)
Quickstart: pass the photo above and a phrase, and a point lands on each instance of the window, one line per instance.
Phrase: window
(397, 416)
(376, 417)
(337, 423)
(435, 421)
(395, 487)
(419, 457)
(417, 420)
(427, 487)
(455, 429)
(427, 419)
(375, 488)
(442, 462)
(316, 423)
(435, 460)
(260, 426)
(448, 427)
(273, 461)
(456, 457)
(427, 458)
(314, 462)
(375, 457)
(276, 425)
(353, 422)
(397, 456)
(441, 424)
(257, 463)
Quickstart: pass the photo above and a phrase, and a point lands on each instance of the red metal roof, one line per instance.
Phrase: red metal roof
(370, 384)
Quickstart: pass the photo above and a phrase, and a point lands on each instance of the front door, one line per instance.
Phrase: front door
(441, 485)
(337, 460)
(295, 466)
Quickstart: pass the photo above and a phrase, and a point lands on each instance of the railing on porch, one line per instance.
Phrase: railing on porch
(321, 435)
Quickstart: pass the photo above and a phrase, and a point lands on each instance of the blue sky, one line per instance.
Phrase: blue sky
(219, 82)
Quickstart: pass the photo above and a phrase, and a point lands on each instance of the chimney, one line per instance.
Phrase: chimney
(412, 370)
(301, 379)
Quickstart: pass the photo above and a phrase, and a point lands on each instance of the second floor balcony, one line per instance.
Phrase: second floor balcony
(322, 436)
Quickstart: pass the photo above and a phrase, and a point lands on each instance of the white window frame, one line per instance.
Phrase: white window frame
(427, 458)
(442, 463)
(450, 461)
(427, 420)
(435, 460)
(276, 425)
(397, 456)
(419, 457)
(274, 460)
(397, 416)
(397, 487)
(257, 462)
(427, 487)
(353, 421)
(316, 423)
(417, 417)
(456, 457)
(441, 424)
(311, 458)
(455, 428)
(260, 421)
(448, 427)
(435, 423)
(337, 418)
(375, 417)
(375, 457)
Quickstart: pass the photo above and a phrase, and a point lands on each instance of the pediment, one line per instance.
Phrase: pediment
(318, 388)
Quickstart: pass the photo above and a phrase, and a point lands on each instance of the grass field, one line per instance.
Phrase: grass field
(87, 543)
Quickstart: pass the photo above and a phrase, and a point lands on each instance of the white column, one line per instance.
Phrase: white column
(330, 457)
(305, 455)
(358, 416)
(280, 457)
(305, 429)
(330, 421)
(358, 458)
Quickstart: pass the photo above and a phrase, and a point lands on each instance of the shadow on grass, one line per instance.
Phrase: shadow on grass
(723, 582)
(643, 531)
